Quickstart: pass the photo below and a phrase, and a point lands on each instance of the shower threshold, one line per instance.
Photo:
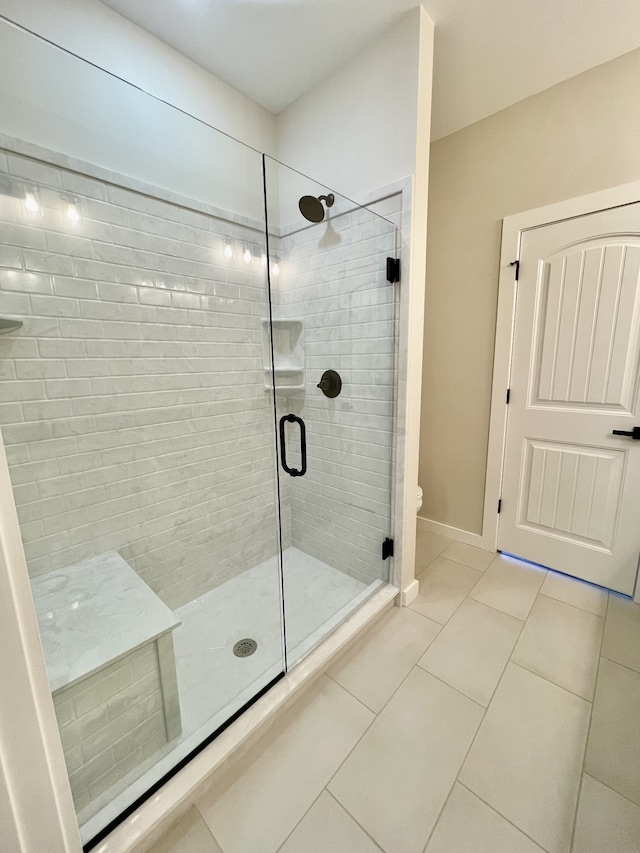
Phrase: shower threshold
(213, 683)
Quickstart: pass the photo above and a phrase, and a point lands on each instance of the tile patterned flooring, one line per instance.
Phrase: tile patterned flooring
(212, 683)
(499, 713)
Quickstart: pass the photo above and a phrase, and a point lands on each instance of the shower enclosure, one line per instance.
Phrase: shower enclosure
(198, 388)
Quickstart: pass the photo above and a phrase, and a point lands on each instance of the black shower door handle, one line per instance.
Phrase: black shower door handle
(294, 472)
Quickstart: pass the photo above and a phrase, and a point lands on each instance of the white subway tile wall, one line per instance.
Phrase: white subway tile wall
(133, 405)
(334, 275)
(110, 723)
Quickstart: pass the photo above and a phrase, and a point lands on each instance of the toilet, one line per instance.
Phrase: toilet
(419, 499)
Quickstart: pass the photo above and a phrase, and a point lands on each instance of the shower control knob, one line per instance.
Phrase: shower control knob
(330, 383)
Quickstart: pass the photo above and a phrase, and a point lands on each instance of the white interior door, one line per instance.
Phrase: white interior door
(571, 488)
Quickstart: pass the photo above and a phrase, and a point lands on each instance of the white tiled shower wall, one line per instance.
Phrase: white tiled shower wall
(111, 724)
(133, 405)
(335, 277)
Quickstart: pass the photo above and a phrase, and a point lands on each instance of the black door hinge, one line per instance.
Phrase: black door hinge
(393, 270)
(516, 264)
(508, 395)
(499, 506)
(387, 548)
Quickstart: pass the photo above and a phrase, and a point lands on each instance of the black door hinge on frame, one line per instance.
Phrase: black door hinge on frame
(499, 506)
(393, 270)
(387, 548)
(516, 264)
(508, 395)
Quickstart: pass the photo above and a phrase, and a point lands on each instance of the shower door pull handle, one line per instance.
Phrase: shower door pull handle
(294, 472)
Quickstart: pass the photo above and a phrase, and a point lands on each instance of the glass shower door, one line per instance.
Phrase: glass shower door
(133, 409)
(333, 353)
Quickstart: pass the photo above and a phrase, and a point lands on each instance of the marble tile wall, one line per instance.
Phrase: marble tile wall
(133, 406)
(110, 723)
(334, 275)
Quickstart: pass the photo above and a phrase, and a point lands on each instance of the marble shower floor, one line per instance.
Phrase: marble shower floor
(212, 682)
(210, 677)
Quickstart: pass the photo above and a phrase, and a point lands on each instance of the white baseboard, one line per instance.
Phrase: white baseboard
(455, 533)
(409, 592)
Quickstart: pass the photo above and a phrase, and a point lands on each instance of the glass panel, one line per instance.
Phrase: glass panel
(333, 327)
(139, 434)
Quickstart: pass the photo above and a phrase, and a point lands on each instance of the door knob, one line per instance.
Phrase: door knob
(632, 433)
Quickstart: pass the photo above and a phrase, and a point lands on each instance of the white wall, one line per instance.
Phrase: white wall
(100, 35)
(60, 102)
(356, 131)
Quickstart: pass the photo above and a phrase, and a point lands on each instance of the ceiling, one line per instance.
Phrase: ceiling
(489, 53)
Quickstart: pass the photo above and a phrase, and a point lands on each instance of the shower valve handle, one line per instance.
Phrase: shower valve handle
(293, 472)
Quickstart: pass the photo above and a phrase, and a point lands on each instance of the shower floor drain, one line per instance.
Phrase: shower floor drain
(244, 648)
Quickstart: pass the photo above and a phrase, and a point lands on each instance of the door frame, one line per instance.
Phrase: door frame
(512, 229)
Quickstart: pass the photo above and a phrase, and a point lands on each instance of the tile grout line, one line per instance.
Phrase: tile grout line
(461, 563)
(511, 614)
(497, 609)
(514, 825)
(586, 742)
(444, 805)
(426, 566)
(613, 790)
(414, 667)
(473, 740)
(422, 616)
(325, 786)
(570, 604)
(346, 689)
(209, 830)
(548, 681)
(332, 777)
(467, 595)
(439, 815)
(362, 736)
(451, 687)
(368, 834)
(238, 769)
(299, 821)
(508, 661)
(617, 663)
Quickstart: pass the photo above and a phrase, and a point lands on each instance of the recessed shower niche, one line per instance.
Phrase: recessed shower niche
(287, 364)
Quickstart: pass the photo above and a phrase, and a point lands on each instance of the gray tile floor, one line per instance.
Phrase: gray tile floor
(500, 713)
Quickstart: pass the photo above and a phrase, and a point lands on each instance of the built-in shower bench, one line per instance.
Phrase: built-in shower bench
(108, 645)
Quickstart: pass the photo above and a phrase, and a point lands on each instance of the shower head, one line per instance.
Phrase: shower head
(311, 207)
